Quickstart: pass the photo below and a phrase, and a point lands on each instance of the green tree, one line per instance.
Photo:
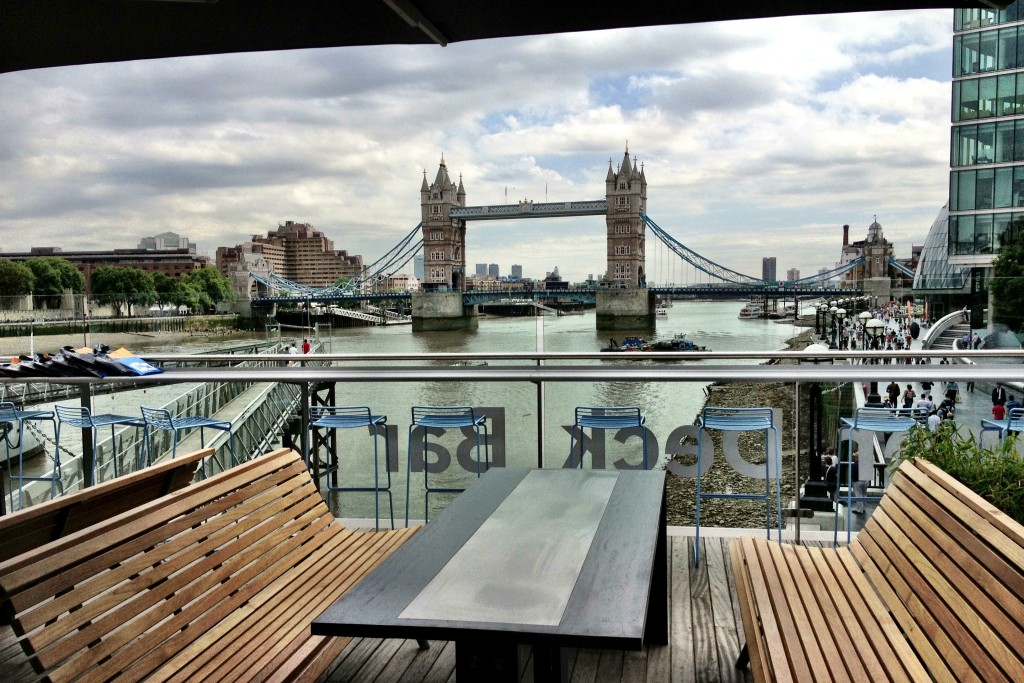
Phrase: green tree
(1008, 285)
(207, 287)
(167, 289)
(123, 288)
(54, 275)
(16, 279)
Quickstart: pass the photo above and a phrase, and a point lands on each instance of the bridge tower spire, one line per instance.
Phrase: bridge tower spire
(444, 237)
(626, 197)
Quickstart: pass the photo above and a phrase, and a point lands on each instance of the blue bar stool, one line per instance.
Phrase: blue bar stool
(887, 420)
(443, 417)
(82, 418)
(161, 419)
(354, 417)
(10, 413)
(742, 420)
(610, 417)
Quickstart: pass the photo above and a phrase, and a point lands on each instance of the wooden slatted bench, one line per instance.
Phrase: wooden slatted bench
(218, 581)
(931, 589)
(39, 524)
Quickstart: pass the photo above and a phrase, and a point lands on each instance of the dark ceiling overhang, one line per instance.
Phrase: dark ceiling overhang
(45, 33)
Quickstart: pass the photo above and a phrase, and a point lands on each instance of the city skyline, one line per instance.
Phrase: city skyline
(746, 143)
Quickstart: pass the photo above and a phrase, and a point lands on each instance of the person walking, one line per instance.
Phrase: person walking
(976, 340)
(999, 395)
(305, 346)
(893, 390)
(908, 397)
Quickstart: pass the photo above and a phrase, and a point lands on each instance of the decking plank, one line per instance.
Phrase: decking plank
(402, 661)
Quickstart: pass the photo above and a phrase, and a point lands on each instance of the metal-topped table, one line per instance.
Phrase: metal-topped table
(553, 558)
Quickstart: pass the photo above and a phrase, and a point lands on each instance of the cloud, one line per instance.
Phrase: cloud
(751, 134)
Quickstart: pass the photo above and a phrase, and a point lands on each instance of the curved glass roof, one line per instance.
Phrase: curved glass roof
(934, 270)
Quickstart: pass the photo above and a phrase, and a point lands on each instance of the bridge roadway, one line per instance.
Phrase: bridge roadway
(587, 294)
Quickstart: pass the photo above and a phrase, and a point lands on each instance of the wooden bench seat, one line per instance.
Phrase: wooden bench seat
(218, 581)
(39, 524)
(931, 589)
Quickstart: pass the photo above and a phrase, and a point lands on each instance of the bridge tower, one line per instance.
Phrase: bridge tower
(626, 196)
(628, 305)
(440, 306)
(444, 237)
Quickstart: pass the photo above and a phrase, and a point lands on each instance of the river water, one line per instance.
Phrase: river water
(511, 407)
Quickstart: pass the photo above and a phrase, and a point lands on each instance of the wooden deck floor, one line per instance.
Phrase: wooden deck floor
(705, 633)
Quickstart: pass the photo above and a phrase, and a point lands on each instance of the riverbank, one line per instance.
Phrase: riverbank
(721, 477)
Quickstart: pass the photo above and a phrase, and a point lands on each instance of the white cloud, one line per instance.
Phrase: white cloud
(752, 134)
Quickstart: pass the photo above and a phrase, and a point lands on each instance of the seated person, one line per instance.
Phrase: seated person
(1011, 403)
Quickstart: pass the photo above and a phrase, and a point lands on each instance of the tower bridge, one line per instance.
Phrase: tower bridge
(626, 303)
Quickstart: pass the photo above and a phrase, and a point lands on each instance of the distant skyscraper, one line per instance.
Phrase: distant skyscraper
(768, 268)
(517, 272)
(481, 269)
(417, 266)
(492, 270)
(793, 274)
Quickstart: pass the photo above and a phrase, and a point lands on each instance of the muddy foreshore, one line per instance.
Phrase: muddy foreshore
(721, 477)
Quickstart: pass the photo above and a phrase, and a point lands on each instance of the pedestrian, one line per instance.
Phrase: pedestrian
(305, 346)
(965, 341)
(976, 340)
(952, 389)
(893, 390)
(966, 313)
(999, 395)
(1011, 403)
(933, 421)
(998, 411)
(908, 397)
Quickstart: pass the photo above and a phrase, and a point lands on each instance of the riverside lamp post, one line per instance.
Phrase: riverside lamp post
(815, 494)
(874, 328)
(823, 308)
(840, 315)
(833, 309)
(864, 317)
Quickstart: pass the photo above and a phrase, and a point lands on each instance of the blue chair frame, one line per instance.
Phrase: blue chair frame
(83, 418)
(161, 419)
(606, 417)
(1014, 422)
(886, 420)
(742, 420)
(10, 413)
(354, 417)
(443, 417)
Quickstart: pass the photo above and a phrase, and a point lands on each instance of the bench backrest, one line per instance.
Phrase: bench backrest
(950, 567)
(123, 596)
(40, 524)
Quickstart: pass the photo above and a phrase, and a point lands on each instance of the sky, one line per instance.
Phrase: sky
(758, 138)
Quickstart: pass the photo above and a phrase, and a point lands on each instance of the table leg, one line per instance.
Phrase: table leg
(656, 627)
(548, 664)
(486, 660)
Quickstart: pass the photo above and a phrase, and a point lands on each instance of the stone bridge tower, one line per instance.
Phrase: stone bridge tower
(444, 237)
(626, 195)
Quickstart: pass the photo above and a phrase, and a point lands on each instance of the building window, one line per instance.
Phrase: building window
(622, 186)
(621, 201)
(437, 256)
(437, 235)
(435, 209)
(621, 229)
(437, 275)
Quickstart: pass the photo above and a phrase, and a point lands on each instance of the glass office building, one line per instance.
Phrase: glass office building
(986, 180)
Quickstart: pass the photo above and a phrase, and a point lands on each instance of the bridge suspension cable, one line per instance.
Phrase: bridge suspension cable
(693, 258)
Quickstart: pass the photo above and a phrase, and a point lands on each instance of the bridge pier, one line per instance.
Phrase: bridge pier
(625, 309)
(441, 311)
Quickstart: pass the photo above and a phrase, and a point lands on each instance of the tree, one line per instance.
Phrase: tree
(1008, 285)
(16, 279)
(123, 288)
(54, 275)
(167, 289)
(207, 288)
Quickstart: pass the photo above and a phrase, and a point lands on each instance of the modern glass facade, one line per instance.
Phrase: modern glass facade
(986, 180)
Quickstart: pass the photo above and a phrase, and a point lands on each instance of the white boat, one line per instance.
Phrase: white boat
(752, 311)
(661, 312)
